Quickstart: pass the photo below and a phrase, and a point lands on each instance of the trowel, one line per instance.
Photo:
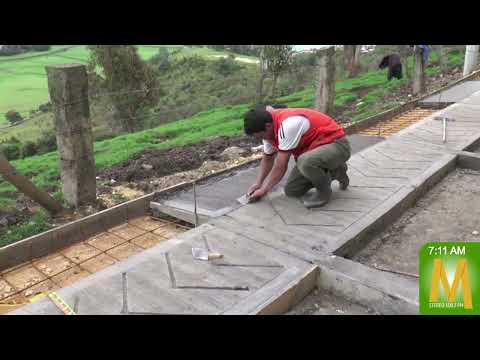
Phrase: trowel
(244, 200)
(203, 254)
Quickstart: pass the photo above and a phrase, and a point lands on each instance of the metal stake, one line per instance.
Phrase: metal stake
(444, 129)
(125, 294)
(195, 204)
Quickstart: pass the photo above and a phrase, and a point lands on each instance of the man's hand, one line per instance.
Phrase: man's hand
(257, 195)
(253, 188)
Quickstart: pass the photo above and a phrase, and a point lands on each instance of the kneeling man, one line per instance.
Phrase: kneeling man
(317, 143)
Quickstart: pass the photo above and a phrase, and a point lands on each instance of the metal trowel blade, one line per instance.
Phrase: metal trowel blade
(244, 200)
(200, 254)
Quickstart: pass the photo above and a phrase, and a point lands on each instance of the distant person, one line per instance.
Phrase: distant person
(317, 143)
(394, 64)
(424, 50)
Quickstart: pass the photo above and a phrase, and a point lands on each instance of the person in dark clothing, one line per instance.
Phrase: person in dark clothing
(394, 64)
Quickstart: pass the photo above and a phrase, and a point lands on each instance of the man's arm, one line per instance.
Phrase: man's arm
(265, 167)
(277, 172)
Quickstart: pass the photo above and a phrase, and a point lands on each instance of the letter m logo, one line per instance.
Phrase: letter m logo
(461, 274)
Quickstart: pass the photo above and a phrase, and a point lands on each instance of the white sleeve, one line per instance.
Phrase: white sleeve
(291, 132)
(268, 148)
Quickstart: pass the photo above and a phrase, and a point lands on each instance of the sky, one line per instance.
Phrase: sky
(307, 47)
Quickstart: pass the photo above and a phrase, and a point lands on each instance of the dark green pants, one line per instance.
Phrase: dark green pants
(317, 167)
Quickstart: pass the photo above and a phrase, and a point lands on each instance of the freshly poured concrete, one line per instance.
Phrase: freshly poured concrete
(385, 179)
(453, 95)
(217, 197)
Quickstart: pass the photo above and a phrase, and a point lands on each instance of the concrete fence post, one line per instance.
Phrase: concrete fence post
(68, 88)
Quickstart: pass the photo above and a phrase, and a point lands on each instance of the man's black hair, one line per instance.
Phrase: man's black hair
(255, 120)
(279, 106)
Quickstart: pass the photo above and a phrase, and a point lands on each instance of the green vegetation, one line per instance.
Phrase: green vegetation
(36, 225)
(23, 80)
(188, 81)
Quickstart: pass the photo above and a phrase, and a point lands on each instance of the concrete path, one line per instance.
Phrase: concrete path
(218, 197)
(452, 95)
(276, 247)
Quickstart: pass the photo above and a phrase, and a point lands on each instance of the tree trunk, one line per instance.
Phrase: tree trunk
(419, 81)
(471, 58)
(259, 93)
(441, 58)
(356, 61)
(352, 59)
(404, 51)
(124, 118)
(262, 74)
(325, 95)
(274, 86)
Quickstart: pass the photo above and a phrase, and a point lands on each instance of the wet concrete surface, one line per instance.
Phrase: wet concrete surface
(454, 94)
(221, 192)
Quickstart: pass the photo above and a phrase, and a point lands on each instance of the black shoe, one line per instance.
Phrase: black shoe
(340, 174)
(317, 199)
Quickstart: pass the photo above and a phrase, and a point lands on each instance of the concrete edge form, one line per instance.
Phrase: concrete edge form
(280, 295)
(468, 160)
(71, 233)
(356, 237)
(386, 293)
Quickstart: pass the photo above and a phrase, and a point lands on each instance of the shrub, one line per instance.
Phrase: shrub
(226, 66)
(29, 149)
(161, 60)
(47, 142)
(46, 107)
(8, 50)
(12, 151)
(13, 117)
(41, 47)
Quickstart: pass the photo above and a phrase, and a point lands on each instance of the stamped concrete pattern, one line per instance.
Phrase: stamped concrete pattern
(272, 246)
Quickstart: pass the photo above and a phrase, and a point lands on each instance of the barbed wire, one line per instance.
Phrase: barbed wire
(20, 108)
(156, 114)
(143, 90)
(186, 110)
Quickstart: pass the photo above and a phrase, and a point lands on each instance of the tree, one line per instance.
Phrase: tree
(352, 59)
(405, 52)
(471, 59)
(325, 95)
(278, 59)
(419, 80)
(130, 81)
(262, 74)
(162, 59)
(442, 60)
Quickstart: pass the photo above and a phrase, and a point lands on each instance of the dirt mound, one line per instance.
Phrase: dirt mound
(158, 163)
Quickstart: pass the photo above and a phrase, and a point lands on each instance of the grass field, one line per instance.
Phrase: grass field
(23, 80)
